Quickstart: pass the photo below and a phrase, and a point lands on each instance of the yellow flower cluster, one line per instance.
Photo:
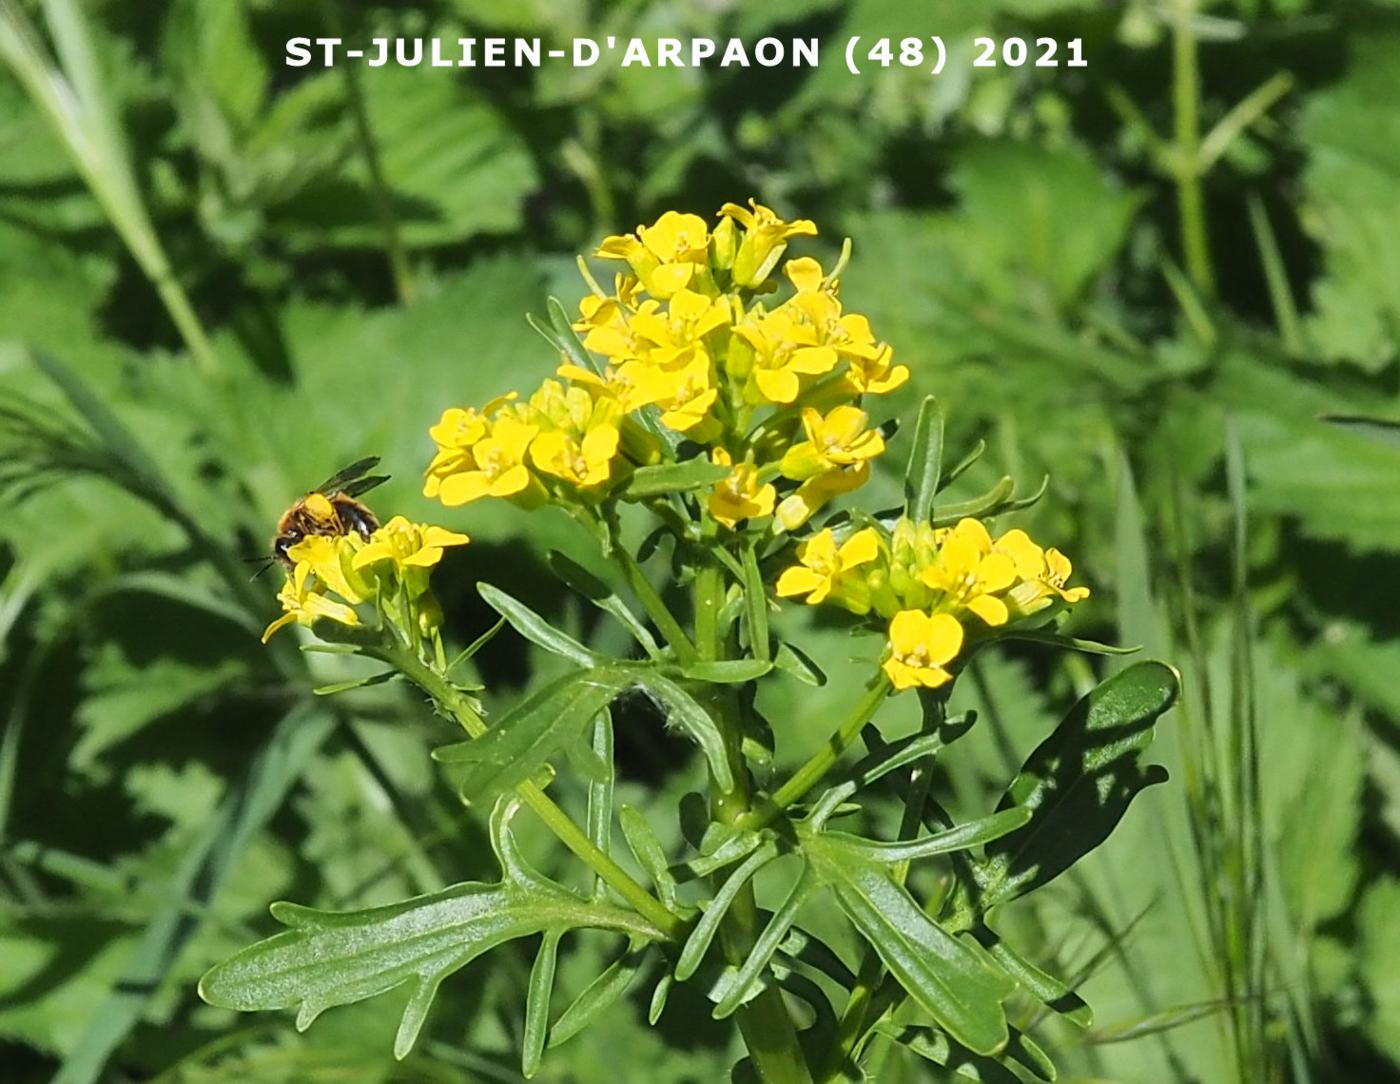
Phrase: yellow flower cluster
(331, 575)
(691, 335)
(935, 587)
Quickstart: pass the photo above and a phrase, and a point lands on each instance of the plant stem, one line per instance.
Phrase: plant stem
(764, 1022)
(456, 703)
(383, 201)
(820, 762)
(1186, 101)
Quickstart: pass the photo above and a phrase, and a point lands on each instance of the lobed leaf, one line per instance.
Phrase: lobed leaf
(1079, 782)
(329, 958)
(944, 975)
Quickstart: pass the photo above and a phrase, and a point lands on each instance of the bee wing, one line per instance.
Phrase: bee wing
(363, 485)
(346, 476)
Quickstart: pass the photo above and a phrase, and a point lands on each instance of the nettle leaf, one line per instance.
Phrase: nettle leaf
(1079, 782)
(330, 958)
(943, 974)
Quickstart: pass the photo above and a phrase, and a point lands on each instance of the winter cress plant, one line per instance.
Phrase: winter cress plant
(722, 388)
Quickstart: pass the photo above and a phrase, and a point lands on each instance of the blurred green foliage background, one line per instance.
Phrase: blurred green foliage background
(1160, 280)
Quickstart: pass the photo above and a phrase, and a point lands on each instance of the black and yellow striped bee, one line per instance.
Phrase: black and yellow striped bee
(331, 509)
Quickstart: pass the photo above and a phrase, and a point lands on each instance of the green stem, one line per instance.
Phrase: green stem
(182, 315)
(820, 762)
(456, 703)
(764, 1022)
(1186, 95)
(383, 201)
(709, 603)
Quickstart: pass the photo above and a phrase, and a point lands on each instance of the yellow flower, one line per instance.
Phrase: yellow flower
(765, 239)
(784, 351)
(810, 497)
(688, 400)
(874, 374)
(304, 602)
(836, 440)
(823, 564)
(633, 384)
(740, 495)
(970, 573)
(1042, 574)
(331, 559)
(665, 256)
(408, 545)
(1028, 557)
(674, 337)
(583, 460)
(921, 646)
(494, 466)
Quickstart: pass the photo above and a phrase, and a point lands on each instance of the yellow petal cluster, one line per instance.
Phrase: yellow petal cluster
(936, 588)
(331, 575)
(699, 335)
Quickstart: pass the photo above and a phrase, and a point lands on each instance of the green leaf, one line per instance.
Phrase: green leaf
(659, 996)
(1071, 643)
(600, 790)
(755, 604)
(703, 933)
(329, 958)
(1079, 781)
(1382, 430)
(524, 739)
(602, 596)
(205, 867)
(534, 627)
(766, 944)
(921, 477)
(959, 838)
(357, 683)
(792, 660)
(454, 166)
(726, 671)
(1350, 199)
(602, 992)
(650, 855)
(934, 1046)
(553, 718)
(1045, 988)
(945, 976)
(667, 478)
(537, 995)
(989, 504)
(683, 712)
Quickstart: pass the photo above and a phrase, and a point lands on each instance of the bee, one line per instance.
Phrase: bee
(330, 509)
